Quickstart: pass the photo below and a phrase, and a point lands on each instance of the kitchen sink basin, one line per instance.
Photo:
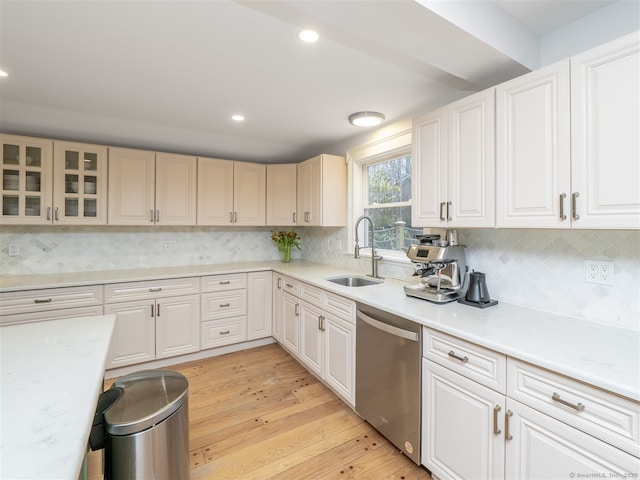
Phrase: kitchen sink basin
(354, 281)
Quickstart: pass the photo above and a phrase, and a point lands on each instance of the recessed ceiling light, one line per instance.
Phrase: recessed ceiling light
(366, 119)
(237, 118)
(309, 36)
(3, 73)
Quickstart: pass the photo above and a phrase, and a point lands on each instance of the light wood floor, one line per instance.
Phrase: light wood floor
(258, 414)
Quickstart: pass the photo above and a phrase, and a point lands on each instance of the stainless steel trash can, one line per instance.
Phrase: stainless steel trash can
(148, 427)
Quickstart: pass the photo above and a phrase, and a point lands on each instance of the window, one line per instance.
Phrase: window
(387, 200)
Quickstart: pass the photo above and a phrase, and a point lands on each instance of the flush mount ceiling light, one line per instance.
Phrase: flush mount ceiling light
(3, 73)
(308, 36)
(366, 119)
(237, 118)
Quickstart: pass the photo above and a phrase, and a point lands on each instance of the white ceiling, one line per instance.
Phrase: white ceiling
(168, 75)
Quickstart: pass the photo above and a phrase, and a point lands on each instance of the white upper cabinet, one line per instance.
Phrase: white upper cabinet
(27, 170)
(281, 194)
(322, 192)
(231, 193)
(146, 188)
(605, 121)
(79, 183)
(453, 164)
(533, 162)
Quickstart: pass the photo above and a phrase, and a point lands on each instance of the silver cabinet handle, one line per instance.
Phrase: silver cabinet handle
(224, 305)
(151, 216)
(224, 282)
(297, 309)
(155, 289)
(158, 310)
(56, 217)
(48, 213)
(226, 332)
(42, 300)
(464, 359)
(321, 323)
(448, 207)
(294, 217)
(231, 217)
(152, 310)
(289, 285)
(441, 211)
(576, 406)
(562, 215)
(235, 217)
(508, 414)
(157, 215)
(574, 213)
(496, 430)
(279, 283)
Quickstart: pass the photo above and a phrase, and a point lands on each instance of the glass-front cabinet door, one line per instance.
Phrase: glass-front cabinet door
(80, 184)
(26, 180)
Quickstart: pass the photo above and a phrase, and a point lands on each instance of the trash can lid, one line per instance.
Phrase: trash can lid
(148, 397)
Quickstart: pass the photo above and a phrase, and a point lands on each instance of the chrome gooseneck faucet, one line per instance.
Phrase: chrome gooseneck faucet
(374, 257)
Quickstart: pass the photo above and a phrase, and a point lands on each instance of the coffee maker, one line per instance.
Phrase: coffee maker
(443, 272)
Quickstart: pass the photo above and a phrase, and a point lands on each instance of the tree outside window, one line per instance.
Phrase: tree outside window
(387, 200)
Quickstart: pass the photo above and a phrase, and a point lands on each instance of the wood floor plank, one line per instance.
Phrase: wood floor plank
(259, 414)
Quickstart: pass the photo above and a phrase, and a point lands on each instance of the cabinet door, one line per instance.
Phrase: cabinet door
(215, 192)
(605, 121)
(131, 187)
(311, 337)
(134, 334)
(26, 180)
(80, 184)
(428, 165)
(471, 161)
(249, 193)
(309, 192)
(542, 447)
(462, 426)
(290, 323)
(276, 325)
(533, 149)
(281, 194)
(175, 189)
(177, 326)
(259, 305)
(340, 356)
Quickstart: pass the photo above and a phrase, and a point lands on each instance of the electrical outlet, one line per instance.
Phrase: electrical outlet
(599, 272)
(14, 250)
(170, 245)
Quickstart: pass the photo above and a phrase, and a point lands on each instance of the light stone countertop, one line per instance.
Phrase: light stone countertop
(51, 374)
(602, 355)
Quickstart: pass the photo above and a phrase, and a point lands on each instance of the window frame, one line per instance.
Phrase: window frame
(392, 142)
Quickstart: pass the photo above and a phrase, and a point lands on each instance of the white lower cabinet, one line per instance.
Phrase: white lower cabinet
(224, 310)
(259, 306)
(290, 323)
(276, 306)
(558, 427)
(156, 328)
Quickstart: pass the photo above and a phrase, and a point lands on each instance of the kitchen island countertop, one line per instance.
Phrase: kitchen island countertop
(51, 374)
(599, 354)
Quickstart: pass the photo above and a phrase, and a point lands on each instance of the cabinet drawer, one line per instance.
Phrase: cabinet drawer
(614, 419)
(215, 334)
(473, 361)
(223, 304)
(311, 294)
(220, 283)
(49, 299)
(339, 306)
(93, 311)
(291, 286)
(124, 292)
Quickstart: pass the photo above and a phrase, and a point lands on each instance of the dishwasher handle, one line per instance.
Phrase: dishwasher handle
(385, 327)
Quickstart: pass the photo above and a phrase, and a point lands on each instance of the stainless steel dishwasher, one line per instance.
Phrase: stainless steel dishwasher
(388, 359)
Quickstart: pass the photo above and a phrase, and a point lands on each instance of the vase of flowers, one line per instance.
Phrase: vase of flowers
(284, 241)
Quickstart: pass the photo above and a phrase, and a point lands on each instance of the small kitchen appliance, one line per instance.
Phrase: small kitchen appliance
(477, 293)
(443, 272)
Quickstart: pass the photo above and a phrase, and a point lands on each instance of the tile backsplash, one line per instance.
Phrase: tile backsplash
(542, 269)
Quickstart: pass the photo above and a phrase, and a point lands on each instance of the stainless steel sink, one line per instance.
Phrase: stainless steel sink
(354, 281)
